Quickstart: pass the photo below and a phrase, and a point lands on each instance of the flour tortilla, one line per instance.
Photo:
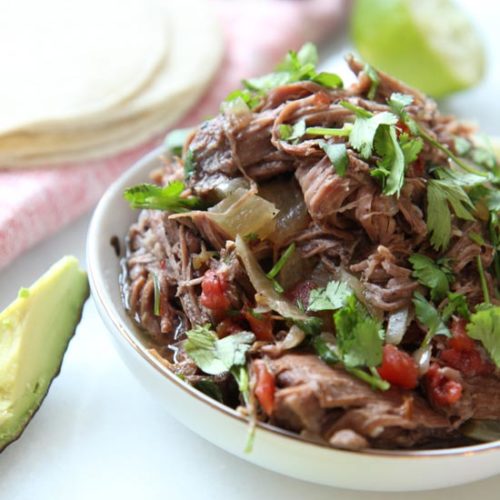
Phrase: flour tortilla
(65, 61)
(195, 53)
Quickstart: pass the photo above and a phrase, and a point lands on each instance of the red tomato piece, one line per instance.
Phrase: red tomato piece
(265, 386)
(463, 353)
(261, 325)
(398, 368)
(442, 390)
(213, 292)
(460, 340)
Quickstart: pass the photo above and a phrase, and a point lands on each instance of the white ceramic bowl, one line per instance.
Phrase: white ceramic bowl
(273, 449)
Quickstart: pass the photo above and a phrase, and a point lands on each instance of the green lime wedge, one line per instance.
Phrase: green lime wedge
(429, 44)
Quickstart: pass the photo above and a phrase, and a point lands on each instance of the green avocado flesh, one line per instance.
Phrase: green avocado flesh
(34, 333)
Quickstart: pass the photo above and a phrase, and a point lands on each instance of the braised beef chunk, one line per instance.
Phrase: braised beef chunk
(316, 399)
(327, 259)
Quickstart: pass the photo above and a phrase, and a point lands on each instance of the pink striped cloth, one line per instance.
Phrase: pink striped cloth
(34, 203)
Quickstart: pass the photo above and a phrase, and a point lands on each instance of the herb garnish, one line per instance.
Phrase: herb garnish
(153, 197)
(484, 326)
(434, 275)
(337, 154)
(429, 316)
(279, 266)
(215, 356)
(334, 296)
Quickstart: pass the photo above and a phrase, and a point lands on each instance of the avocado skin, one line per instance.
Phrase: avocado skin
(26, 417)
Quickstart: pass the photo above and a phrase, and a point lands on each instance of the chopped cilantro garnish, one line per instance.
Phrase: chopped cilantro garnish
(157, 294)
(297, 66)
(373, 76)
(440, 194)
(281, 262)
(360, 337)
(429, 316)
(391, 168)
(330, 80)
(154, 197)
(334, 296)
(434, 275)
(326, 131)
(251, 99)
(456, 304)
(322, 349)
(210, 388)
(485, 326)
(215, 356)
(482, 280)
(292, 132)
(337, 154)
(189, 164)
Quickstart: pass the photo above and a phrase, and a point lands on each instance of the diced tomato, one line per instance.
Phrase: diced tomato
(261, 325)
(300, 292)
(398, 368)
(227, 327)
(463, 353)
(441, 389)
(265, 386)
(460, 340)
(213, 292)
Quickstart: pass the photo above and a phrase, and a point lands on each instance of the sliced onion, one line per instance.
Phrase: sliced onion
(422, 357)
(227, 186)
(263, 285)
(293, 217)
(482, 430)
(293, 338)
(396, 326)
(244, 212)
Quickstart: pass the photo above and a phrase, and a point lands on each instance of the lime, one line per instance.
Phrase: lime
(429, 44)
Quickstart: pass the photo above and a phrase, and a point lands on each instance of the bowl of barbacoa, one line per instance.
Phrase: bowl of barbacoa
(323, 260)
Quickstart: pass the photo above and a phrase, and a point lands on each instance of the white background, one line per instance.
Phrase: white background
(99, 435)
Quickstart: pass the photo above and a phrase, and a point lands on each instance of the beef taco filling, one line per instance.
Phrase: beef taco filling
(326, 259)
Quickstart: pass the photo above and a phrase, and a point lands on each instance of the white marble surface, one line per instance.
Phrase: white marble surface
(99, 435)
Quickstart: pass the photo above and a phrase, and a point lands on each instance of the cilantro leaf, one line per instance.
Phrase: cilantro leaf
(391, 168)
(189, 164)
(296, 66)
(324, 351)
(326, 131)
(175, 140)
(154, 197)
(214, 356)
(329, 80)
(337, 154)
(373, 76)
(281, 262)
(431, 275)
(251, 99)
(359, 337)
(210, 388)
(411, 147)
(485, 327)
(364, 130)
(456, 304)
(428, 316)
(334, 296)
(439, 194)
(292, 132)
(398, 102)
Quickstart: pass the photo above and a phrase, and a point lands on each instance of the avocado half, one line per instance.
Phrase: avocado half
(34, 333)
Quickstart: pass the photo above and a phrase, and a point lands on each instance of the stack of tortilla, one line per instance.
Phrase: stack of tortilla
(86, 79)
